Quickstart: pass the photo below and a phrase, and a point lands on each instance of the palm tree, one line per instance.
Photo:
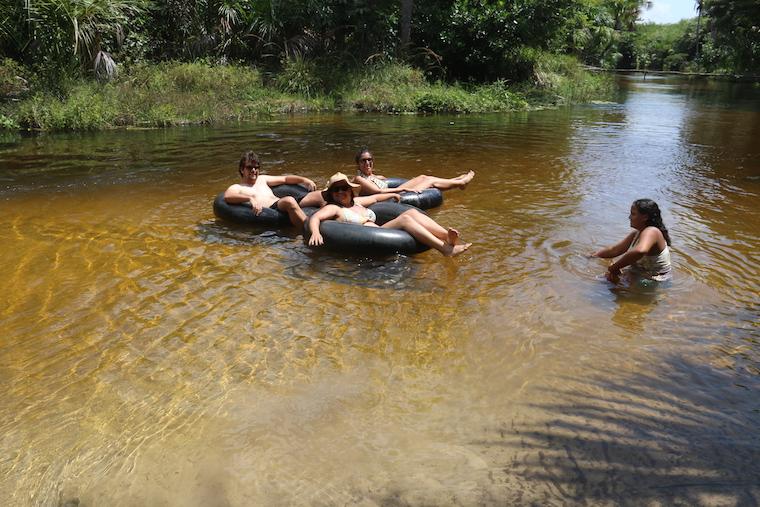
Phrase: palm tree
(626, 12)
(76, 29)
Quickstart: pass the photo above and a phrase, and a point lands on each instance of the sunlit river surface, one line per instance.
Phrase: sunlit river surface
(151, 355)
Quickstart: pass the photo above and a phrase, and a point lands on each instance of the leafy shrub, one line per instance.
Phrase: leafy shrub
(393, 74)
(386, 87)
(567, 81)
(498, 97)
(12, 81)
(7, 123)
(440, 99)
(299, 76)
(199, 77)
(675, 61)
(86, 108)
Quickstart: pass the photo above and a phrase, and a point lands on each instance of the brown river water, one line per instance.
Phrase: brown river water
(151, 355)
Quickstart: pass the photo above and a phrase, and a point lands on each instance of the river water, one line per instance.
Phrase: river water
(151, 355)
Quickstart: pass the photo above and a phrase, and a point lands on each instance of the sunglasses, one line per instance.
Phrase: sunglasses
(366, 160)
(342, 188)
(253, 167)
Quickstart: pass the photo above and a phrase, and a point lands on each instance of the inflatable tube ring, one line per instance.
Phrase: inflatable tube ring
(360, 239)
(243, 213)
(426, 199)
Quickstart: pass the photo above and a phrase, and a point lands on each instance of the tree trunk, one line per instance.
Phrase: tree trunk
(699, 19)
(406, 25)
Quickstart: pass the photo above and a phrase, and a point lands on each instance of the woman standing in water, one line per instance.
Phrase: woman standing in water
(340, 193)
(371, 183)
(645, 249)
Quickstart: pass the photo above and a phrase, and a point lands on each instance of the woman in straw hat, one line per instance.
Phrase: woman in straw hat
(339, 194)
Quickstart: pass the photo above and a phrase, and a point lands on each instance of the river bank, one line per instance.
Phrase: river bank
(174, 93)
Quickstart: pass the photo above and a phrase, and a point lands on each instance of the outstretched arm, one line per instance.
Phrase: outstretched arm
(619, 248)
(369, 200)
(369, 188)
(328, 212)
(290, 179)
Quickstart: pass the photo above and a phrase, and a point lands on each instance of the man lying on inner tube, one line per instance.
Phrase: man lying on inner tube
(340, 194)
(255, 188)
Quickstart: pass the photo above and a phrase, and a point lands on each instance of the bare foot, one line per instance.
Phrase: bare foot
(465, 179)
(452, 250)
(461, 248)
(452, 236)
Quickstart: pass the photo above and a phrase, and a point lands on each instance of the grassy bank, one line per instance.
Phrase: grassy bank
(157, 95)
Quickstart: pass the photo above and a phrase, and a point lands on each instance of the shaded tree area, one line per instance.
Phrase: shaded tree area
(469, 40)
(472, 40)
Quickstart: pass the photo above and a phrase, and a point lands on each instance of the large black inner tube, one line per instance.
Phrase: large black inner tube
(296, 191)
(365, 240)
(426, 199)
(243, 213)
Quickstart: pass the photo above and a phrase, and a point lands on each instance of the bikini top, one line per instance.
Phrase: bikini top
(381, 183)
(349, 216)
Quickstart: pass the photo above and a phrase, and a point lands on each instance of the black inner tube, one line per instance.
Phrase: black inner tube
(361, 239)
(341, 236)
(426, 199)
(242, 213)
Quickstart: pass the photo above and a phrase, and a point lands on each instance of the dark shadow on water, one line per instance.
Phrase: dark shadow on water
(398, 272)
(681, 433)
(226, 233)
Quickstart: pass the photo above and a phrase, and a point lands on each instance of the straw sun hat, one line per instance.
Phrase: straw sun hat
(339, 178)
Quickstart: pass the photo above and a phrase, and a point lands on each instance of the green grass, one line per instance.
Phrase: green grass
(401, 88)
(561, 80)
(166, 94)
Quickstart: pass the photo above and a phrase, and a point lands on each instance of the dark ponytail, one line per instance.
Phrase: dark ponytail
(649, 208)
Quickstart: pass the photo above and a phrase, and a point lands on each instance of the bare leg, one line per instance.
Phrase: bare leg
(294, 211)
(428, 223)
(407, 222)
(423, 182)
(313, 199)
(420, 233)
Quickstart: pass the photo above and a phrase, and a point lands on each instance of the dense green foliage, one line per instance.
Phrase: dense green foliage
(666, 47)
(735, 44)
(465, 40)
(385, 55)
(724, 38)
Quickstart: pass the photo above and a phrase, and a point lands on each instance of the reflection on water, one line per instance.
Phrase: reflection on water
(152, 354)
